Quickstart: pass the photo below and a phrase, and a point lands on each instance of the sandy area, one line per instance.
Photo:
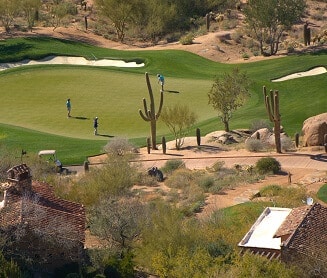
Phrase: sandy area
(66, 60)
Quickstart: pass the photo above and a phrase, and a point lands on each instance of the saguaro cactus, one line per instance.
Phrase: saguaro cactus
(272, 107)
(150, 115)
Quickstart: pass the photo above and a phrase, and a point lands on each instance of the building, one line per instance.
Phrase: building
(38, 226)
(288, 234)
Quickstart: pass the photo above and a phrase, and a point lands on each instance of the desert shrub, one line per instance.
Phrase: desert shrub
(187, 39)
(216, 189)
(270, 190)
(259, 124)
(254, 145)
(8, 268)
(229, 24)
(255, 53)
(180, 178)
(143, 178)
(172, 37)
(119, 146)
(268, 165)
(287, 144)
(191, 199)
(205, 181)
(245, 55)
(115, 178)
(251, 43)
(172, 165)
(237, 36)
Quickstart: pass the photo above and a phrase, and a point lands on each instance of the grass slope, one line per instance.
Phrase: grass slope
(34, 97)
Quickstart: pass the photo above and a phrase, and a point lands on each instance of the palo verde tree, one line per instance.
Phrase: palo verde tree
(119, 12)
(31, 8)
(228, 93)
(8, 11)
(150, 115)
(179, 120)
(268, 19)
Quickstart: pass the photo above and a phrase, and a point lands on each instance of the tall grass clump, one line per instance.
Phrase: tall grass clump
(172, 165)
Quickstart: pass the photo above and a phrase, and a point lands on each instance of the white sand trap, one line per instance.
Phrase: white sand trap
(314, 71)
(65, 60)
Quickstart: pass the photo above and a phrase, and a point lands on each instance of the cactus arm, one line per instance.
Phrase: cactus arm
(143, 116)
(267, 104)
(276, 106)
(150, 91)
(145, 107)
(160, 105)
(272, 102)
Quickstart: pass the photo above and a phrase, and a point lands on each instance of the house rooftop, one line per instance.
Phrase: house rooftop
(261, 234)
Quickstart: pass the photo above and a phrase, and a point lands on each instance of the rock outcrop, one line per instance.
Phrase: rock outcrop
(314, 129)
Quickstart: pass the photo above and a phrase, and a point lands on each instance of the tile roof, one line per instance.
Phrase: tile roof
(292, 221)
(44, 212)
(311, 232)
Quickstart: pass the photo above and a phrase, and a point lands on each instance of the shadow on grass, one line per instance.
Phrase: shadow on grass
(171, 91)
(80, 118)
(105, 135)
(9, 49)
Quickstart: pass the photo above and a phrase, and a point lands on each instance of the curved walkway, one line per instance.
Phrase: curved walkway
(206, 156)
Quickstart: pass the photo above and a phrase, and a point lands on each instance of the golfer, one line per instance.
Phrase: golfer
(95, 125)
(161, 81)
(69, 107)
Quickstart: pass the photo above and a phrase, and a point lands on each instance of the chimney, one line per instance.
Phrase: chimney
(20, 178)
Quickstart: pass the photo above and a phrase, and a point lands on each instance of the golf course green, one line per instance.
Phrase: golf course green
(33, 113)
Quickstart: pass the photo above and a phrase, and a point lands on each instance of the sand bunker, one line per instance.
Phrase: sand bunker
(65, 60)
(314, 71)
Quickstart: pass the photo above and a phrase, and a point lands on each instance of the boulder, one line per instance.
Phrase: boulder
(314, 129)
(266, 136)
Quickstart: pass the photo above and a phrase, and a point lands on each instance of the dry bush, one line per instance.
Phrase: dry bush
(180, 178)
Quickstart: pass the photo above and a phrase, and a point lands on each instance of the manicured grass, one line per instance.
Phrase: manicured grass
(34, 97)
(322, 193)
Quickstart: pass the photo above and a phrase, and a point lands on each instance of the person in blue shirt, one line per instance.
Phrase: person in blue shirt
(161, 81)
(69, 107)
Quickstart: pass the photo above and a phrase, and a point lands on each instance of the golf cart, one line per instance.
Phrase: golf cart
(51, 157)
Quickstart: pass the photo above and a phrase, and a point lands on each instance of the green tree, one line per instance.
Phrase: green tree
(250, 265)
(159, 18)
(58, 11)
(119, 12)
(228, 93)
(30, 8)
(179, 119)
(9, 9)
(268, 19)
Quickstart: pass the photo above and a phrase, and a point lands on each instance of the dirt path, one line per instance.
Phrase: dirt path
(307, 168)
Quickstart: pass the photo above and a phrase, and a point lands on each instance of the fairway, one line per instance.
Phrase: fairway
(33, 113)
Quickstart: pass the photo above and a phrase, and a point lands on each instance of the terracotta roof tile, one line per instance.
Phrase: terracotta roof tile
(311, 232)
(44, 212)
(292, 221)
